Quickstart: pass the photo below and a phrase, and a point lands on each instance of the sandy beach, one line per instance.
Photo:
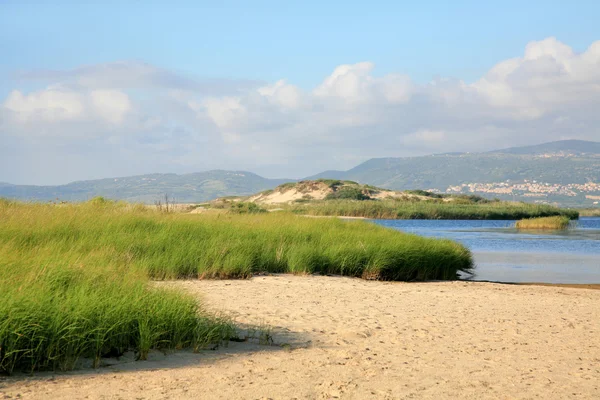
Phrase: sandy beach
(354, 339)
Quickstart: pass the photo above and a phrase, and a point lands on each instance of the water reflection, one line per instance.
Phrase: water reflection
(505, 254)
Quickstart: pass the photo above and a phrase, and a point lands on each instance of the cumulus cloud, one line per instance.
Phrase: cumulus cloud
(355, 84)
(550, 92)
(54, 105)
(549, 77)
(51, 105)
(282, 94)
(112, 105)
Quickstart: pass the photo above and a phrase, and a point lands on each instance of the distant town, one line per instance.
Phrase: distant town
(531, 188)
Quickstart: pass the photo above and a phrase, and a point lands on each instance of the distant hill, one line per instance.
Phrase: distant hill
(195, 187)
(562, 146)
(561, 163)
(441, 171)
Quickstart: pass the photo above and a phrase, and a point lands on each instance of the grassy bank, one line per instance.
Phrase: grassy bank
(74, 278)
(65, 294)
(590, 212)
(393, 209)
(560, 222)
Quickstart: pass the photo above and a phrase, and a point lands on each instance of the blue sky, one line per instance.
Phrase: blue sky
(300, 41)
(253, 44)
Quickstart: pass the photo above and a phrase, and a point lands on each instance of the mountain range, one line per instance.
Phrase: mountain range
(184, 188)
(563, 162)
(564, 166)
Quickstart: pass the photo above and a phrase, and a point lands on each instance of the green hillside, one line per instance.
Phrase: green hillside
(196, 187)
(558, 163)
(441, 171)
(564, 164)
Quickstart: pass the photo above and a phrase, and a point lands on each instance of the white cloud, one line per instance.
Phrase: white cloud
(548, 77)
(351, 83)
(112, 105)
(56, 105)
(52, 105)
(550, 92)
(354, 84)
(281, 93)
(223, 111)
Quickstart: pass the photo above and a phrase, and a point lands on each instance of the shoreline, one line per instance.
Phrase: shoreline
(590, 286)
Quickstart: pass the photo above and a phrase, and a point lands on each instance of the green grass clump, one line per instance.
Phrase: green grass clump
(74, 278)
(332, 183)
(347, 193)
(287, 185)
(168, 246)
(425, 193)
(557, 223)
(65, 295)
(244, 207)
(395, 209)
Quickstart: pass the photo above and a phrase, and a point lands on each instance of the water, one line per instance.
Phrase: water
(504, 254)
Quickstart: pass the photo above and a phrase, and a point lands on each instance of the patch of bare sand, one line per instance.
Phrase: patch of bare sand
(356, 339)
(291, 194)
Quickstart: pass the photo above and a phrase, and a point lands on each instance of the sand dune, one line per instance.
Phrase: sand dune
(354, 339)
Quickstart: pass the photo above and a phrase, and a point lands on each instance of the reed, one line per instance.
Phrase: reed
(554, 223)
(74, 277)
(65, 296)
(393, 209)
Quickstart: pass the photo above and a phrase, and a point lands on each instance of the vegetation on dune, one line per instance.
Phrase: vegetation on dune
(74, 277)
(333, 183)
(339, 189)
(399, 209)
(347, 193)
(559, 222)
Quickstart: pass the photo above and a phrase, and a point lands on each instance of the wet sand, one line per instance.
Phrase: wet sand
(354, 339)
(593, 286)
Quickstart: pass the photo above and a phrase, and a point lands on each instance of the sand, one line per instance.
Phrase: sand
(354, 339)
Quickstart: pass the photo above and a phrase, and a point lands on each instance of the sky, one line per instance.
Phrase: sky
(285, 89)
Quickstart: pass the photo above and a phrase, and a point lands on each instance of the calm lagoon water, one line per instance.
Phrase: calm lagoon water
(506, 255)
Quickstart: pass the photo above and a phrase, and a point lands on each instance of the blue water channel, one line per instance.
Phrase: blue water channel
(504, 254)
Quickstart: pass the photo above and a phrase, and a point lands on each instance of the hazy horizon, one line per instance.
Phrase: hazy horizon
(245, 170)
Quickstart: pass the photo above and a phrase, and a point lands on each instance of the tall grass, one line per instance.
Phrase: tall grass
(168, 246)
(74, 278)
(65, 295)
(558, 223)
(393, 209)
